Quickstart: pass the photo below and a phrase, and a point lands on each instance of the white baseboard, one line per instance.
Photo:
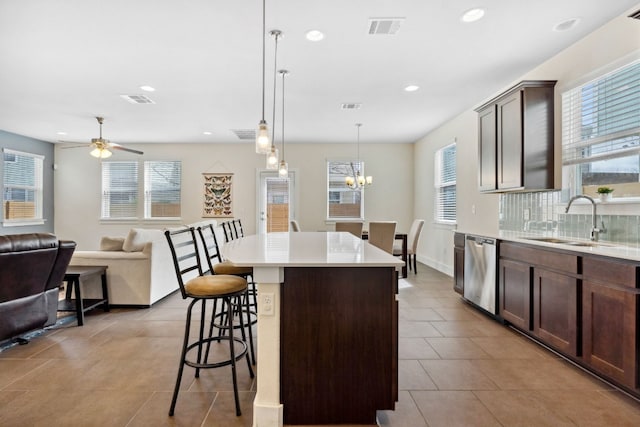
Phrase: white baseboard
(441, 267)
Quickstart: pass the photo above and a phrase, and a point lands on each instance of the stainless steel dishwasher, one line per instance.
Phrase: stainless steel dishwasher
(480, 272)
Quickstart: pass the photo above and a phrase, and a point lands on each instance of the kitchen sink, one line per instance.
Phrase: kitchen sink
(568, 242)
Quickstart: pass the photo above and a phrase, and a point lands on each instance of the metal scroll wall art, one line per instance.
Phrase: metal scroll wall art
(218, 195)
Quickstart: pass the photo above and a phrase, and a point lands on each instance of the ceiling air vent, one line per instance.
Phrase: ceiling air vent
(245, 134)
(388, 26)
(137, 99)
(635, 15)
(351, 106)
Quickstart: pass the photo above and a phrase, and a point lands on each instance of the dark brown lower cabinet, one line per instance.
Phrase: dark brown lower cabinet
(458, 263)
(610, 319)
(339, 344)
(515, 293)
(555, 310)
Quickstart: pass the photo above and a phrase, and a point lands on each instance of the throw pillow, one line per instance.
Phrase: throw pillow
(138, 237)
(111, 243)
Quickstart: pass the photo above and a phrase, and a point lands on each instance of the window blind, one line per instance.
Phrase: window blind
(445, 184)
(162, 187)
(601, 119)
(343, 202)
(23, 181)
(119, 190)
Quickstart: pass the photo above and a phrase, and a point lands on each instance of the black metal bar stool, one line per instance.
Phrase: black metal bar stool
(201, 288)
(217, 266)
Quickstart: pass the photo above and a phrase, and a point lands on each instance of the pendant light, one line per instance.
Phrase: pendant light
(262, 135)
(356, 180)
(272, 156)
(283, 170)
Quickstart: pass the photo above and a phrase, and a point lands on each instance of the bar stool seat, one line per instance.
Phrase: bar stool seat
(215, 286)
(225, 267)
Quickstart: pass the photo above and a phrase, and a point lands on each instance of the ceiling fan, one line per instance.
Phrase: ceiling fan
(101, 148)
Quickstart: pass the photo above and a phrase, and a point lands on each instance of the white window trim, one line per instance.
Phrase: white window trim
(332, 220)
(39, 219)
(439, 185)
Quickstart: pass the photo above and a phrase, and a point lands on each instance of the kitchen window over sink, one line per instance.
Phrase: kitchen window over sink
(601, 134)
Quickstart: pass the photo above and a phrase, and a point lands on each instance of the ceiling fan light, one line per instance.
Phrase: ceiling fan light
(101, 153)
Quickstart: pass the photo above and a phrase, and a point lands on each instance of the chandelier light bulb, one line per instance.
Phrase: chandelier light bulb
(272, 159)
(283, 171)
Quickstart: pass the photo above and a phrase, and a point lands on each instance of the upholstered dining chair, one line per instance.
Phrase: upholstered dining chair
(200, 288)
(353, 227)
(294, 225)
(216, 265)
(412, 244)
(382, 234)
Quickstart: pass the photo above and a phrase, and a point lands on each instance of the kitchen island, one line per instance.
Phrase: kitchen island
(327, 327)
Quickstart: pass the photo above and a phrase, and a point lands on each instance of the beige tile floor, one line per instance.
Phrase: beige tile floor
(456, 368)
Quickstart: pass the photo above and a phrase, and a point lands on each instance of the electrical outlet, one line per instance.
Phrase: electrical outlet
(267, 304)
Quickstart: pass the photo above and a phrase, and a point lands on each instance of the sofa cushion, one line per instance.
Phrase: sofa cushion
(111, 243)
(138, 237)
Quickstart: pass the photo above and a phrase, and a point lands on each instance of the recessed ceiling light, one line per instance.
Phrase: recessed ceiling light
(472, 15)
(61, 133)
(314, 35)
(567, 25)
(147, 88)
(412, 88)
(206, 133)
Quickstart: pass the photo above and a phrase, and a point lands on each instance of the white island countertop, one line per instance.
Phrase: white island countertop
(307, 249)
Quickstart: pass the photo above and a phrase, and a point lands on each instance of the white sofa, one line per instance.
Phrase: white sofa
(140, 268)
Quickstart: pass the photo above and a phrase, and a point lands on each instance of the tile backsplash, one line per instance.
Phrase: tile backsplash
(544, 213)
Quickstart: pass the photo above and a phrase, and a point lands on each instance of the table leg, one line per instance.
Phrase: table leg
(79, 305)
(105, 291)
(404, 256)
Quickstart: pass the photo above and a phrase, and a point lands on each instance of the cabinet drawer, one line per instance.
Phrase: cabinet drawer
(565, 262)
(610, 272)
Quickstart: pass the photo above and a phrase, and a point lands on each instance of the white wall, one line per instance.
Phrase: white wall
(77, 184)
(608, 47)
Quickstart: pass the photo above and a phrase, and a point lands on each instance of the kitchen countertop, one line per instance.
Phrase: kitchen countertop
(610, 249)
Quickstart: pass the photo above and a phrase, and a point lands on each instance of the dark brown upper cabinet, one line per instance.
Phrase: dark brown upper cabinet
(515, 139)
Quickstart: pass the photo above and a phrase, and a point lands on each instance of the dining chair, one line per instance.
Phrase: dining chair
(202, 288)
(382, 234)
(353, 227)
(294, 225)
(227, 229)
(412, 244)
(237, 227)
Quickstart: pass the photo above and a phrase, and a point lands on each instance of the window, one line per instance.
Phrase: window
(445, 184)
(601, 134)
(120, 189)
(162, 189)
(342, 201)
(22, 192)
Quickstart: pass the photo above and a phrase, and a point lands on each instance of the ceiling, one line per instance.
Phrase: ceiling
(65, 62)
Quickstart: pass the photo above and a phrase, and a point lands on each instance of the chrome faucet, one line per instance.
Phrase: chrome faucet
(595, 231)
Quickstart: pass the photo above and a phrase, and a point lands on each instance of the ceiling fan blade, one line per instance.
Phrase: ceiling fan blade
(120, 147)
(72, 144)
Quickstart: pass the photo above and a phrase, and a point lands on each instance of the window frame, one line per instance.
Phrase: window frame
(148, 193)
(37, 188)
(442, 181)
(359, 192)
(614, 132)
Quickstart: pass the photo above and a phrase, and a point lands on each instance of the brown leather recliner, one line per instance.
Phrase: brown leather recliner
(32, 267)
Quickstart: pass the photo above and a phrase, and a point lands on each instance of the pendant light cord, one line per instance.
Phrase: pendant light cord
(264, 31)
(275, 68)
(284, 73)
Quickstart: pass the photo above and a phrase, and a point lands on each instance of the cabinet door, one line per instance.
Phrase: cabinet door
(555, 308)
(510, 141)
(487, 149)
(458, 270)
(610, 331)
(515, 293)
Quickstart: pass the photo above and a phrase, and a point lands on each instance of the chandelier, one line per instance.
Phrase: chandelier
(356, 180)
